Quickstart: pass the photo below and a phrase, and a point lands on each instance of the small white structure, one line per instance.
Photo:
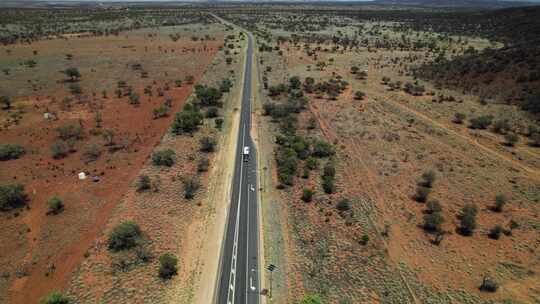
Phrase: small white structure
(82, 176)
(49, 116)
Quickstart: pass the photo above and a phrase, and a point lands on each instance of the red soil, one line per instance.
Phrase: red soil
(63, 240)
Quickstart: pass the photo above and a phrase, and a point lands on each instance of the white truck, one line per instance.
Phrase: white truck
(246, 153)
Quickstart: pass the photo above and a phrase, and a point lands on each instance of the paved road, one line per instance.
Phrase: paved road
(239, 276)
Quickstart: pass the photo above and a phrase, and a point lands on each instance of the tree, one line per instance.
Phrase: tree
(212, 112)
(489, 285)
(55, 297)
(187, 121)
(134, 98)
(500, 201)
(481, 122)
(364, 239)
(219, 123)
(11, 196)
(72, 73)
(468, 219)
(433, 206)
(125, 235)
(91, 152)
(208, 96)
(55, 205)
(10, 151)
(322, 149)
(163, 158)
(422, 194)
(70, 131)
(6, 102)
(307, 195)
(203, 164)
(354, 69)
(167, 266)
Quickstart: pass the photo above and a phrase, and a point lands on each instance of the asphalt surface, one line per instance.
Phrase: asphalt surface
(239, 276)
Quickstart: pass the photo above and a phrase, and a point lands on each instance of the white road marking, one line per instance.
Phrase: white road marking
(232, 281)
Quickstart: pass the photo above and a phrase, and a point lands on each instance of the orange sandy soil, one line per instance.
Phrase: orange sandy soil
(32, 240)
(384, 143)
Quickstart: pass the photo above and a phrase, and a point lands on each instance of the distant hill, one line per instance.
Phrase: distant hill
(457, 3)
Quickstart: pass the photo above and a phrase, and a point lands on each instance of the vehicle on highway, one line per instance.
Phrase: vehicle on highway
(246, 153)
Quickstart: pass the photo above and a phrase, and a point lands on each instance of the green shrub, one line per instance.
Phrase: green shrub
(55, 297)
(208, 96)
(125, 235)
(91, 152)
(219, 123)
(481, 122)
(55, 205)
(6, 102)
(459, 118)
(428, 178)
(311, 299)
(191, 185)
(468, 219)
(11, 196)
(359, 95)
(322, 149)
(433, 221)
(75, 89)
(307, 195)
(364, 239)
(422, 194)
(511, 139)
(500, 201)
(10, 151)
(163, 158)
(70, 131)
(167, 266)
(134, 98)
(211, 112)
(501, 126)
(144, 183)
(187, 121)
(72, 73)
(495, 232)
(433, 206)
(208, 144)
(59, 149)
(343, 205)
(312, 163)
(161, 111)
(203, 165)
(489, 285)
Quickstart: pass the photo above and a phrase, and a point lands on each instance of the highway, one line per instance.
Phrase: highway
(239, 273)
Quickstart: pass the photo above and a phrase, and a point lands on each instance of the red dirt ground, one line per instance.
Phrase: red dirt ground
(62, 240)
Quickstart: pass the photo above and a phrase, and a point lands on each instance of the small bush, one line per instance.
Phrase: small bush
(311, 299)
(433, 221)
(481, 122)
(422, 194)
(433, 206)
(11, 196)
(144, 183)
(468, 219)
(495, 232)
(501, 126)
(203, 165)
(55, 297)
(75, 89)
(162, 111)
(55, 205)
(459, 118)
(343, 205)
(163, 158)
(500, 201)
(359, 95)
(328, 185)
(489, 285)
(10, 151)
(428, 178)
(364, 239)
(187, 121)
(307, 195)
(91, 153)
(125, 235)
(191, 185)
(167, 266)
(70, 131)
(208, 144)
(511, 139)
(312, 163)
(211, 112)
(322, 149)
(59, 149)
(219, 123)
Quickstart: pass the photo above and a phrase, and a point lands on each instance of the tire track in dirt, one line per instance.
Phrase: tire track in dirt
(330, 136)
(533, 173)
